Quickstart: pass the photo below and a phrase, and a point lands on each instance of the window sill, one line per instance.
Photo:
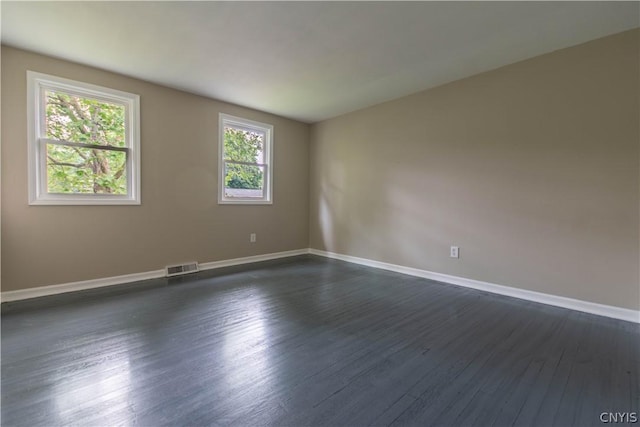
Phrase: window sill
(245, 202)
(89, 201)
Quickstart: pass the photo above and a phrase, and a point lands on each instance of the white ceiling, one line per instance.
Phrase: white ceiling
(306, 60)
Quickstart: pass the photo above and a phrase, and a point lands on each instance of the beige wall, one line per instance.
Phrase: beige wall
(179, 219)
(532, 169)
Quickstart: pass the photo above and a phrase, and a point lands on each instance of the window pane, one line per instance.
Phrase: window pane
(243, 180)
(73, 170)
(84, 120)
(243, 146)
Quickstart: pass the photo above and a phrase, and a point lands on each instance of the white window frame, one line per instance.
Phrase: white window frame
(250, 125)
(37, 84)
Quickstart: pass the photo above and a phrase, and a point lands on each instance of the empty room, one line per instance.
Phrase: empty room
(320, 213)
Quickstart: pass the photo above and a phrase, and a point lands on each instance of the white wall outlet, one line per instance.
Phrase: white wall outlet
(252, 237)
(455, 252)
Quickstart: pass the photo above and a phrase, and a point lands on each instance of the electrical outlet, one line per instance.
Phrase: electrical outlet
(455, 252)
(252, 237)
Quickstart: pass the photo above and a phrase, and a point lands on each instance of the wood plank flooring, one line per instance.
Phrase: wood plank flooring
(309, 341)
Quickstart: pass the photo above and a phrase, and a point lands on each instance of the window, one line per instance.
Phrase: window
(245, 161)
(84, 143)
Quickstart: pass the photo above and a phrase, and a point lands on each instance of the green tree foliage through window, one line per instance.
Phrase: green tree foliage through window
(77, 169)
(243, 158)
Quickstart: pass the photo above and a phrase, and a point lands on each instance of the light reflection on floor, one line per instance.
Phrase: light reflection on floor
(108, 381)
(250, 339)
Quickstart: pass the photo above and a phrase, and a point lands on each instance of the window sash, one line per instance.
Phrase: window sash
(71, 92)
(265, 182)
(234, 162)
(43, 170)
(81, 145)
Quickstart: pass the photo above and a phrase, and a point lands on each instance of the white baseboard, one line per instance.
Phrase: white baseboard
(573, 304)
(42, 291)
(250, 259)
(570, 303)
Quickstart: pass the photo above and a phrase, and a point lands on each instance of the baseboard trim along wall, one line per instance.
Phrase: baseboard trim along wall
(570, 303)
(135, 277)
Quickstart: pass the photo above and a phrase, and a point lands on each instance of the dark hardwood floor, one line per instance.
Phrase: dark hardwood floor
(308, 342)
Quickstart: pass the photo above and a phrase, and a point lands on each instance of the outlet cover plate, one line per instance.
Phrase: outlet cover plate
(455, 252)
